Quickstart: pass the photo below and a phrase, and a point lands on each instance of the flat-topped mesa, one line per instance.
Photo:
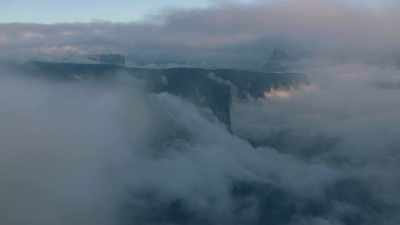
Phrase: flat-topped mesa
(208, 88)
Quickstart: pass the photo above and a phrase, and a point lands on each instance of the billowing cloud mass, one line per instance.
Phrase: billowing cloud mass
(110, 153)
(224, 34)
(95, 152)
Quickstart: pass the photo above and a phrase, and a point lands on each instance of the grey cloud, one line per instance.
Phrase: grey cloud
(343, 121)
(94, 153)
(214, 33)
(87, 153)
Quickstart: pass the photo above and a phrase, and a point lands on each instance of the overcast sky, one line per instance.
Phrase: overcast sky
(55, 11)
(220, 32)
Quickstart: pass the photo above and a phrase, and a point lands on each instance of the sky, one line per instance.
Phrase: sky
(50, 11)
(219, 32)
(61, 11)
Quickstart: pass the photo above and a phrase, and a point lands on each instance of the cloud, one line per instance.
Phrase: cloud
(340, 124)
(94, 154)
(110, 153)
(226, 31)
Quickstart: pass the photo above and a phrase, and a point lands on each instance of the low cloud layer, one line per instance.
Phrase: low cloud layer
(109, 153)
(95, 153)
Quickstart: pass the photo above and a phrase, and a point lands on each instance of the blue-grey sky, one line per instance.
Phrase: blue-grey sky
(54, 11)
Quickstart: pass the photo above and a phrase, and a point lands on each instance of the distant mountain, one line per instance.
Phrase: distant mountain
(278, 61)
(113, 59)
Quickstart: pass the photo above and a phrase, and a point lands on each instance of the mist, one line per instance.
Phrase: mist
(341, 119)
(112, 152)
(95, 153)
